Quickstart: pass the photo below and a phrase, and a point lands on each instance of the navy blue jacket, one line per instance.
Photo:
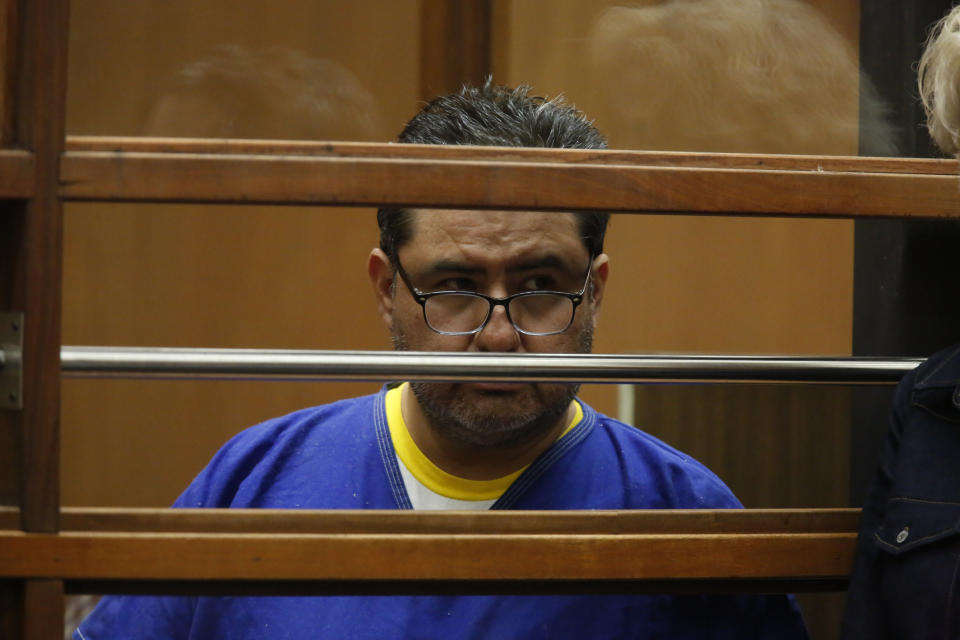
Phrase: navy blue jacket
(906, 577)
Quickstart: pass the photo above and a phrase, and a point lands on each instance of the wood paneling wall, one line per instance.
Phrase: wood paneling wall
(191, 275)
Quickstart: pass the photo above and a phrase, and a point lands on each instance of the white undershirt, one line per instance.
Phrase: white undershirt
(430, 487)
(421, 497)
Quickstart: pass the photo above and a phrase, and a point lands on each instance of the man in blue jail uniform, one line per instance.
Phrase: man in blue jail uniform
(492, 281)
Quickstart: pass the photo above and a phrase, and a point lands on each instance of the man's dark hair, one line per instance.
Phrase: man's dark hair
(499, 116)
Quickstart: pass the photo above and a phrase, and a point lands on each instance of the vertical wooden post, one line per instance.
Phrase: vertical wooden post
(10, 56)
(43, 610)
(40, 127)
(455, 45)
(30, 279)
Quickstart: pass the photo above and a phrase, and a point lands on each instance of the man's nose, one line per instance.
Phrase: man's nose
(499, 333)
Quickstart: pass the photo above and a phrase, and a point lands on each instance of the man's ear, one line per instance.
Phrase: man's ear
(601, 270)
(381, 277)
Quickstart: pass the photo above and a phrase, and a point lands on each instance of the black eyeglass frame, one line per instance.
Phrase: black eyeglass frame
(422, 297)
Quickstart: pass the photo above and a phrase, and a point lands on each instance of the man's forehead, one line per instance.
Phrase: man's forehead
(495, 227)
(494, 239)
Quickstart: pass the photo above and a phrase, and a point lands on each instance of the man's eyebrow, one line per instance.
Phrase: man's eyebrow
(452, 265)
(549, 261)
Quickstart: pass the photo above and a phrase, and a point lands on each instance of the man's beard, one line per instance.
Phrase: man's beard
(494, 418)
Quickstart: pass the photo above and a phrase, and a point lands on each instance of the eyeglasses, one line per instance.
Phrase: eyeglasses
(463, 313)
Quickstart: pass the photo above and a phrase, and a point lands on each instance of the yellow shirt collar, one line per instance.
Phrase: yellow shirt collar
(432, 476)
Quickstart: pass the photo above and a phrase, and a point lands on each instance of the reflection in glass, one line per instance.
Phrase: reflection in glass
(338, 69)
(278, 93)
(756, 76)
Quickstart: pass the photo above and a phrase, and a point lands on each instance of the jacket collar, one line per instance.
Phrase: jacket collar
(940, 370)
(937, 386)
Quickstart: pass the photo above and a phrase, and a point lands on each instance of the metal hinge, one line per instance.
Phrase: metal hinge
(11, 369)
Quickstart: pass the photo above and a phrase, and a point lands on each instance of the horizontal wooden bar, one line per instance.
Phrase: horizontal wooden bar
(449, 587)
(114, 519)
(214, 146)
(363, 174)
(331, 552)
(423, 557)
(16, 174)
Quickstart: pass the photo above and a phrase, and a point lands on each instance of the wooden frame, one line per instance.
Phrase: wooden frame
(435, 176)
(31, 226)
(242, 551)
(457, 35)
(16, 174)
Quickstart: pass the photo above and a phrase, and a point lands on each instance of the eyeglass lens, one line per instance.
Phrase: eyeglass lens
(533, 313)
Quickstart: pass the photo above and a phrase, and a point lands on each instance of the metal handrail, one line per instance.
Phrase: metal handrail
(413, 365)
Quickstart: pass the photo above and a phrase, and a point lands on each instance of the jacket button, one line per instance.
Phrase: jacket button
(903, 535)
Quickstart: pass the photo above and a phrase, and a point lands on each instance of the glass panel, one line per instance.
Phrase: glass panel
(769, 76)
(263, 277)
(344, 69)
(192, 276)
(715, 75)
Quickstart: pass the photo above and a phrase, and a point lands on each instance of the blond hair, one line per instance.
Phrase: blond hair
(938, 78)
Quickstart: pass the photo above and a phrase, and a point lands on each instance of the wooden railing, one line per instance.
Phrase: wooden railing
(335, 552)
(45, 550)
(249, 172)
